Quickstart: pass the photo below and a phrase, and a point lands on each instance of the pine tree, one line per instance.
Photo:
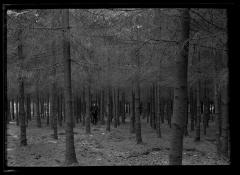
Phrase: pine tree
(70, 155)
(23, 136)
(180, 93)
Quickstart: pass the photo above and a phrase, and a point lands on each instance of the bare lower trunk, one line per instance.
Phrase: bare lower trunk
(180, 94)
(198, 128)
(137, 112)
(132, 124)
(70, 155)
(8, 111)
(102, 108)
(17, 111)
(123, 108)
(109, 110)
(23, 136)
(217, 117)
(225, 120)
(37, 107)
(54, 94)
(115, 113)
(88, 115)
(158, 116)
(12, 107)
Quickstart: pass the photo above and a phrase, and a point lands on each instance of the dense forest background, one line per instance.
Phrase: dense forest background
(163, 67)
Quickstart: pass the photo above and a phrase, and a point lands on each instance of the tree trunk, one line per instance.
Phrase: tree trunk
(137, 97)
(88, 114)
(198, 128)
(123, 107)
(205, 110)
(33, 108)
(61, 110)
(54, 93)
(70, 155)
(225, 119)
(37, 106)
(132, 123)
(80, 108)
(84, 106)
(217, 116)
(23, 136)
(12, 107)
(137, 111)
(42, 107)
(192, 109)
(109, 110)
(48, 109)
(158, 117)
(151, 107)
(114, 104)
(102, 107)
(180, 93)
(17, 111)
(186, 127)
(29, 108)
(154, 107)
(118, 108)
(8, 111)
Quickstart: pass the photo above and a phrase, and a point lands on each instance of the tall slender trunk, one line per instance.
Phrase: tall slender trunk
(29, 108)
(225, 119)
(8, 111)
(159, 134)
(180, 93)
(84, 106)
(137, 97)
(217, 116)
(123, 107)
(198, 128)
(12, 107)
(137, 111)
(47, 109)
(88, 106)
(33, 108)
(109, 110)
(70, 155)
(54, 93)
(114, 104)
(118, 108)
(38, 105)
(132, 124)
(102, 107)
(17, 111)
(191, 109)
(186, 127)
(74, 111)
(154, 106)
(26, 109)
(42, 108)
(205, 106)
(60, 110)
(151, 107)
(23, 135)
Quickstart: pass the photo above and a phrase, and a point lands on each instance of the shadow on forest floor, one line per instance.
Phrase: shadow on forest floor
(103, 148)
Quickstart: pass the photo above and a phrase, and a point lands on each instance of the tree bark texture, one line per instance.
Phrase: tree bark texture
(180, 93)
(70, 155)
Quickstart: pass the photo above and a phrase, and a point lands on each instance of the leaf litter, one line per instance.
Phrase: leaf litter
(117, 147)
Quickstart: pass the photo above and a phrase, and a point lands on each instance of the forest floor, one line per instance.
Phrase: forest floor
(117, 147)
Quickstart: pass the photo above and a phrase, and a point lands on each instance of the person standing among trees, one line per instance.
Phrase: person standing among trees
(94, 113)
